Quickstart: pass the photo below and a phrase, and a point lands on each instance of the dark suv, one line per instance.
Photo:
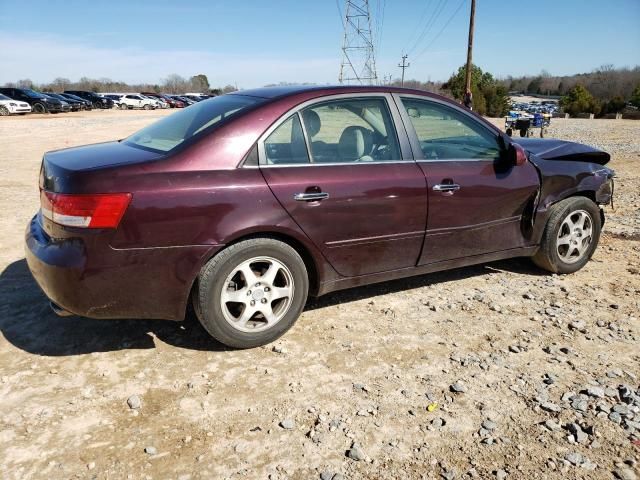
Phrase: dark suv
(39, 103)
(96, 100)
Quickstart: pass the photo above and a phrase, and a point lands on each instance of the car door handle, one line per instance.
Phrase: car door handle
(446, 187)
(310, 196)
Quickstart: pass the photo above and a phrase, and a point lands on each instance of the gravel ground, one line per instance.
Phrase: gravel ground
(495, 371)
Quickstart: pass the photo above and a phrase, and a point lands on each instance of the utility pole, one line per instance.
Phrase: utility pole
(470, 48)
(358, 55)
(404, 65)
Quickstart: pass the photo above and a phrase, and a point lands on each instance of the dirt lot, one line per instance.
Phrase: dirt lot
(547, 367)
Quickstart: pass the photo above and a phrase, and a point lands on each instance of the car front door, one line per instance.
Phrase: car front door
(477, 202)
(348, 179)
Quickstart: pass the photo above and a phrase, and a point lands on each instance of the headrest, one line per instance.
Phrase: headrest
(311, 122)
(355, 142)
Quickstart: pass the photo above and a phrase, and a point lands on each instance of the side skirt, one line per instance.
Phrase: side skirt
(344, 283)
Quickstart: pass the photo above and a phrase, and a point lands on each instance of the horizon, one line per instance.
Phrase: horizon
(252, 45)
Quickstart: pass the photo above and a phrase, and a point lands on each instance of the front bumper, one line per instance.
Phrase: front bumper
(84, 275)
(55, 108)
(20, 109)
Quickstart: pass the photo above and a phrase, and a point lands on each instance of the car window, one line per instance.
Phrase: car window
(32, 94)
(166, 134)
(351, 130)
(286, 144)
(446, 134)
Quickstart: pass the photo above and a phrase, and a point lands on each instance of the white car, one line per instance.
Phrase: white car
(136, 101)
(9, 106)
(159, 103)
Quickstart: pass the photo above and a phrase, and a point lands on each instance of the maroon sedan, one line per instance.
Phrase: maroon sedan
(246, 203)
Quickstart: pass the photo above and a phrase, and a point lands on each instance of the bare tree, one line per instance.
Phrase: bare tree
(174, 83)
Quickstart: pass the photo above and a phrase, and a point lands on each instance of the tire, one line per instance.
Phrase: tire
(97, 106)
(124, 106)
(4, 111)
(523, 132)
(39, 108)
(509, 132)
(560, 246)
(224, 319)
(147, 107)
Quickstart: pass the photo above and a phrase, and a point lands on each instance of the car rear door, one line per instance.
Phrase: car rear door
(477, 203)
(347, 177)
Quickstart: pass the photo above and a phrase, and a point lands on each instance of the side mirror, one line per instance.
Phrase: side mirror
(516, 155)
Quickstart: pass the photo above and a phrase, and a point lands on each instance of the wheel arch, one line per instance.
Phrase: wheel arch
(315, 264)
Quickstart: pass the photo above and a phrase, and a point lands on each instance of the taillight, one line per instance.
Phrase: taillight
(102, 210)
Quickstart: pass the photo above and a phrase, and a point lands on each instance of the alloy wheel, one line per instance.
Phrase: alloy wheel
(574, 236)
(4, 111)
(257, 294)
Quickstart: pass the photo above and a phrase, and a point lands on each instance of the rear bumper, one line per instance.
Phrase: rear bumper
(83, 275)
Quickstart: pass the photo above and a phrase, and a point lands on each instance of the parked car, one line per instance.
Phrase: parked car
(194, 98)
(39, 102)
(96, 100)
(174, 103)
(87, 105)
(159, 103)
(66, 106)
(116, 98)
(246, 203)
(162, 98)
(186, 101)
(9, 106)
(74, 105)
(136, 101)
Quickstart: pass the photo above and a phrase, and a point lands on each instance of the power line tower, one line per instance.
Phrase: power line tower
(358, 56)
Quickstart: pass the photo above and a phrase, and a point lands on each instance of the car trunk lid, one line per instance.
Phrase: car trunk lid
(66, 171)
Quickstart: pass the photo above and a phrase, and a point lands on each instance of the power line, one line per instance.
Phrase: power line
(441, 31)
(430, 23)
(417, 26)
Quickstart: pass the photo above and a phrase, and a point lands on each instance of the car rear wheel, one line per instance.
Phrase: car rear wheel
(4, 111)
(39, 108)
(251, 293)
(570, 237)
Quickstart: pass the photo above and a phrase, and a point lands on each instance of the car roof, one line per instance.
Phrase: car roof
(287, 90)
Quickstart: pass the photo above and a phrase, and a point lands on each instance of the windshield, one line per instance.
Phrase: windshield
(32, 94)
(4, 97)
(173, 130)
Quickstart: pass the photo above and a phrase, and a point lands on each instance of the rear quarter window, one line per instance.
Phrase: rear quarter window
(174, 130)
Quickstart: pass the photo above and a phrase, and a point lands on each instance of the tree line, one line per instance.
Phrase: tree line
(173, 83)
(605, 90)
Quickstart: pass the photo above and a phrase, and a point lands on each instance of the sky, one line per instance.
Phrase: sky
(253, 43)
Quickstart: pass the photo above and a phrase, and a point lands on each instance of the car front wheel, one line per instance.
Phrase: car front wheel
(570, 236)
(3, 111)
(252, 292)
(39, 108)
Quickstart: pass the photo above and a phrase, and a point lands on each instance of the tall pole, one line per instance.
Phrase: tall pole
(470, 48)
(404, 65)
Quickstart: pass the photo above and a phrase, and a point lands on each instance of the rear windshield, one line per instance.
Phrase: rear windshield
(166, 134)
